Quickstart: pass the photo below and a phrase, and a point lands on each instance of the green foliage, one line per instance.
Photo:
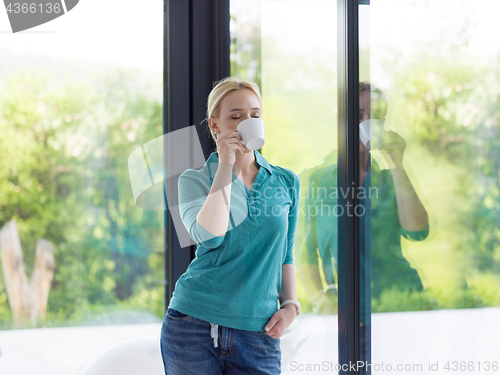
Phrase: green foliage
(6, 318)
(66, 180)
(246, 51)
(451, 105)
(487, 287)
(394, 299)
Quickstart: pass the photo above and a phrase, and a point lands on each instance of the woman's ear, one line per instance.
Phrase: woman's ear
(213, 125)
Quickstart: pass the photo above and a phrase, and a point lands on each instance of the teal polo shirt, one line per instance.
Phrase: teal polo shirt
(234, 280)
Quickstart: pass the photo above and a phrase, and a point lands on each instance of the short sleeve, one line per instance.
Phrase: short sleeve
(415, 235)
(293, 216)
(193, 192)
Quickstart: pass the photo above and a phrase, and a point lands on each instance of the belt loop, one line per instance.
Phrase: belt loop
(214, 333)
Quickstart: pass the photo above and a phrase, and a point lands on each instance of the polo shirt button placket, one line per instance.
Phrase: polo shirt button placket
(249, 204)
(252, 207)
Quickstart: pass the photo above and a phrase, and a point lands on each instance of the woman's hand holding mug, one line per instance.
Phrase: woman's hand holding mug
(228, 143)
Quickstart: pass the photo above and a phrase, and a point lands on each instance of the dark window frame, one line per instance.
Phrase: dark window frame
(196, 54)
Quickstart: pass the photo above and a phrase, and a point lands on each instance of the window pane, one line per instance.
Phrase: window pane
(435, 286)
(77, 96)
(289, 49)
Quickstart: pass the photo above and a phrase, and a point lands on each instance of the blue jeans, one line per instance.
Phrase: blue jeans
(191, 346)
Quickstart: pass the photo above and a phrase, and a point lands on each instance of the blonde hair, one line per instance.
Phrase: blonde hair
(221, 89)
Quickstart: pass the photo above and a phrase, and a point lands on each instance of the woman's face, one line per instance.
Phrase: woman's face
(364, 114)
(236, 106)
(364, 106)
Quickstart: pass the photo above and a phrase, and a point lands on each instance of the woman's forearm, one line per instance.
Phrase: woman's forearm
(214, 215)
(411, 211)
(287, 290)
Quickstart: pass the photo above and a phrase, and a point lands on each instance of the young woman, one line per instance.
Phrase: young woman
(223, 317)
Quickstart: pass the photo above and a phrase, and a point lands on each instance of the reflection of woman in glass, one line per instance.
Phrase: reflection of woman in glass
(390, 209)
(223, 316)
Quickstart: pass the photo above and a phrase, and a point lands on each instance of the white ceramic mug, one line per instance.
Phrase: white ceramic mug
(252, 133)
(371, 133)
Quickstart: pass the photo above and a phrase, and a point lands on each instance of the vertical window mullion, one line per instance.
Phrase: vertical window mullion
(348, 181)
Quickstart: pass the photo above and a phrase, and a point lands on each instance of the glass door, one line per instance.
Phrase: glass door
(428, 171)
(429, 94)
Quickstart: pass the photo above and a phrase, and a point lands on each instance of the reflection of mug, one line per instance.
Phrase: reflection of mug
(371, 133)
(252, 133)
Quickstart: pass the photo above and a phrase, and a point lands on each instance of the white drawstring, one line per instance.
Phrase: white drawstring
(214, 333)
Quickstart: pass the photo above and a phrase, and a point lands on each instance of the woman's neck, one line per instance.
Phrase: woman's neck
(246, 162)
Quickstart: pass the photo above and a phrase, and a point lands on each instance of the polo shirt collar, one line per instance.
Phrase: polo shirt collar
(262, 162)
(213, 162)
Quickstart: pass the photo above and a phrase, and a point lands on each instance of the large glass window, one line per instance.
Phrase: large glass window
(431, 98)
(429, 176)
(77, 96)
